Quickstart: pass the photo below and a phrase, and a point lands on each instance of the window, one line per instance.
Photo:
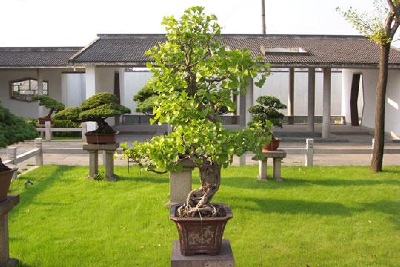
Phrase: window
(25, 88)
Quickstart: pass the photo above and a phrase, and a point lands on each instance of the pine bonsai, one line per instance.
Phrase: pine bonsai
(96, 108)
(266, 113)
(51, 104)
(195, 76)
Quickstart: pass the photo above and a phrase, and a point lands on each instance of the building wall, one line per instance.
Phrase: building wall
(369, 82)
(23, 108)
(134, 81)
(73, 89)
(277, 84)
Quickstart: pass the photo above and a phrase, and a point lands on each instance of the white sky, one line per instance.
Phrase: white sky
(77, 22)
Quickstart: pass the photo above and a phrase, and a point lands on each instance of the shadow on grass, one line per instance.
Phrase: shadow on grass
(294, 207)
(45, 182)
(270, 183)
(388, 207)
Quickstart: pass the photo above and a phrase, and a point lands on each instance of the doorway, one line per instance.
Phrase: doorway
(356, 99)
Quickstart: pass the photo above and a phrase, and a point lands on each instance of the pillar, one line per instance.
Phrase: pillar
(326, 101)
(290, 105)
(311, 99)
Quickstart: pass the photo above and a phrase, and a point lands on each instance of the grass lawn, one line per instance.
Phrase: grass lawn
(319, 216)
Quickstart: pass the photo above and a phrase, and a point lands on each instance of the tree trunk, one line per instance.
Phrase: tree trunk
(379, 131)
(198, 200)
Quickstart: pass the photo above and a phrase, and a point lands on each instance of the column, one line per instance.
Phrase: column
(327, 88)
(311, 99)
(91, 83)
(290, 105)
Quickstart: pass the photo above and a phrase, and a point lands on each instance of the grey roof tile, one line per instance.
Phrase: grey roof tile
(323, 50)
(14, 57)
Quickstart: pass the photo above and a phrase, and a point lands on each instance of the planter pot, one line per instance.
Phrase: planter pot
(273, 145)
(200, 235)
(5, 182)
(96, 138)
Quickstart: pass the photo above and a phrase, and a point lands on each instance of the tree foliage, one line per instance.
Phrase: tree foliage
(14, 129)
(50, 103)
(195, 76)
(96, 108)
(380, 27)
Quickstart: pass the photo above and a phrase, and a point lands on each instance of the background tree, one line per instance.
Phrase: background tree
(381, 29)
(195, 76)
(14, 129)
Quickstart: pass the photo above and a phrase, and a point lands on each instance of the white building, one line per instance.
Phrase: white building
(314, 75)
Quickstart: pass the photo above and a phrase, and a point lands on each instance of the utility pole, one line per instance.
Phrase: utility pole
(264, 30)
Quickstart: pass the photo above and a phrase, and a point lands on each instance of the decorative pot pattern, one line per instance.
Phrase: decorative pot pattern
(200, 235)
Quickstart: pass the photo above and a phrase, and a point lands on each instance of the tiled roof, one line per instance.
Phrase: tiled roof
(119, 49)
(318, 50)
(36, 57)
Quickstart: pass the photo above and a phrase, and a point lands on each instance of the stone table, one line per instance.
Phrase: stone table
(277, 157)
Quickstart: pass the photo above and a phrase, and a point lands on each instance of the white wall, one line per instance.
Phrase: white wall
(277, 84)
(133, 82)
(23, 108)
(370, 80)
(73, 89)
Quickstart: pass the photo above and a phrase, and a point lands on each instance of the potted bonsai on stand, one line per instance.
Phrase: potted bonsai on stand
(194, 76)
(265, 115)
(96, 108)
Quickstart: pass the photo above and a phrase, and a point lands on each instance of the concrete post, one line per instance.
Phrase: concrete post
(84, 131)
(326, 118)
(309, 152)
(311, 99)
(5, 208)
(180, 183)
(47, 127)
(12, 153)
(39, 156)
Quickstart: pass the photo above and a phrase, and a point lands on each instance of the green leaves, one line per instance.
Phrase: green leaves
(195, 79)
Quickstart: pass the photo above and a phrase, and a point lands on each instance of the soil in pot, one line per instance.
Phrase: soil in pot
(201, 235)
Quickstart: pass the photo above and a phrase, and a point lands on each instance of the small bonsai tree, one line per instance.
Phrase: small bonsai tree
(266, 113)
(195, 76)
(51, 104)
(96, 108)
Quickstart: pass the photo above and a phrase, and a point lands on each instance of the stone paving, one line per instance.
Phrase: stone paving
(345, 138)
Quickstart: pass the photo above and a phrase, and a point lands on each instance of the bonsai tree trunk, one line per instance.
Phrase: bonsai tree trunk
(198, 201)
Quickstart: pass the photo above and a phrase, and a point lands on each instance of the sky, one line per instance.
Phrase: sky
(77, 22)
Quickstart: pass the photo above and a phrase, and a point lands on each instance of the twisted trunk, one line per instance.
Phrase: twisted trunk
(198, 200)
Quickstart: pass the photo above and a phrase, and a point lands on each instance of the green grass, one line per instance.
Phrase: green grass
(319, 216)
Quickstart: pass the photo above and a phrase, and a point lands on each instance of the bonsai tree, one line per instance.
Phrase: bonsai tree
(96, 108)
(194, 76)
(51, 104)
(266, 113)
(145, 100)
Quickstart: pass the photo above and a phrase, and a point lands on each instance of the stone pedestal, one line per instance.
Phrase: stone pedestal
(109, 150)
(5, 207)
(180, 183)
(223, 259)
(277, 157)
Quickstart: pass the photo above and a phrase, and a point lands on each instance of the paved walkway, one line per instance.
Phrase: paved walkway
(292, 137)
